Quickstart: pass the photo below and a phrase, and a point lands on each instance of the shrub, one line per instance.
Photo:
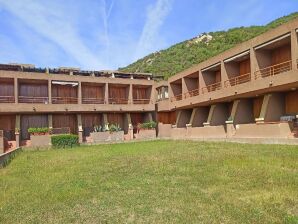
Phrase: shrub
(64, 141)
(114, 128)
(38, 130)
(148, 125)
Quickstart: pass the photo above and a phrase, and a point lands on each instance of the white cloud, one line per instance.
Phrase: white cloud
(155, 18)
(47, 20)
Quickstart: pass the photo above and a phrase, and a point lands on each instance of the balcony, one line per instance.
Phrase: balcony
(141, 101)
(274, 70)
(192, 93)
(93, 101)
(64, 100)
(29, 99)
(238, 80)
(176, 98)
(7, 99)
(115, 100)
(211, 88)
(93, 93)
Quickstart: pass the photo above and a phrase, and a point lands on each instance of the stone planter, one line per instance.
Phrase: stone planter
(98, 137)
(146, 134)
(40, 140)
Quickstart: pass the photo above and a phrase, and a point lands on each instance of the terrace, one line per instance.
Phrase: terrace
(141, 94)
(192, 85)
(238, 69)
(7, 90)
(176, 88)
(64, 92)
(118, 93)
(93, 93)
(274, 57)
(212, 78)
(33, 91)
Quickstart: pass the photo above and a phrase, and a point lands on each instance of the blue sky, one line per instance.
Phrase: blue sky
(107, 34)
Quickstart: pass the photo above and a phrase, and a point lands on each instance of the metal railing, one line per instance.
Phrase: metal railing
(93, 100)
(118, 101)
(7, 99)
(64, 100)
(176, 98)
(141, 101)
(33, 99)
(238, 80)
(192, 93)
(212, 87)
(274, 69)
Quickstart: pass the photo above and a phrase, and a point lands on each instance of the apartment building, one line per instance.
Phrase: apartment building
(71, 100)
(247, 92)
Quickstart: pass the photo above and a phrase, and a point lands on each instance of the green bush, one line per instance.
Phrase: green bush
(148, 125)
(64, 141)
(114, 128)
(38, 130)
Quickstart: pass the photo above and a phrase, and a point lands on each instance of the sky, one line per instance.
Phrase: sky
(108, 34)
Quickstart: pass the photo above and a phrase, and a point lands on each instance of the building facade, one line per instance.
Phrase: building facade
(249, 92)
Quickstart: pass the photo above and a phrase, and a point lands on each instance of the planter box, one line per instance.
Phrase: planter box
(146, 134)
(40, 140)
(98, 137)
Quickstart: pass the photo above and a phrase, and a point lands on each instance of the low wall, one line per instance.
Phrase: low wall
(40, 140)
(206, 132)
(146, 134)
(7, 157)
(179, 133)
(164, 130)
(278, 130)
(1, 144)
(98, 137)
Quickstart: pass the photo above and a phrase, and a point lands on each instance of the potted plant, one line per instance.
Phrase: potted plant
(39, 131)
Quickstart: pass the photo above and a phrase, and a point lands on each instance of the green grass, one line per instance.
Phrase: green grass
(152, 182)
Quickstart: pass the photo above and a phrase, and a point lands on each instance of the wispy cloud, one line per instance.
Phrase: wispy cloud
(52, 23)
(156, 15)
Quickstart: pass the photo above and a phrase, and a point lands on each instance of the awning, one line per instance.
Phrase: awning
(210, 67)
(273, 41)
(237, 56)
(65, 83)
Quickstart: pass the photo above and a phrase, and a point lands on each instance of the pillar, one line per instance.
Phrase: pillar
(210, 115)
(18, 130)
(106, 93)
(223, 71)
(183, 118)
(50, 91)
(129, 126)
(50, 121)
(130, 97)
(294, 49)
(254, 65)
(80, 93)
(80, 127)
(105, 119)
(16, 90)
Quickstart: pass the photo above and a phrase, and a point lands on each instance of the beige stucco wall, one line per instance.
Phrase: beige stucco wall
(164, 130)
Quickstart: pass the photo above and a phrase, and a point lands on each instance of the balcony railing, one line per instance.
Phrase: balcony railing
(93, 101)
(118, 101)
(64, 100)
(274, 70)
(176, 98)
(141, 101)
(192, 93)
(7, 99)
(238, 80)
(212, 87)
(33, 99)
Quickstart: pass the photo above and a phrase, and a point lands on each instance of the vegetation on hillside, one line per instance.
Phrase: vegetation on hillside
(183, 55)
(152, 182)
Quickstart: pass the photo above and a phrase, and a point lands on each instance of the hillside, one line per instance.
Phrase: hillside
(183, 55)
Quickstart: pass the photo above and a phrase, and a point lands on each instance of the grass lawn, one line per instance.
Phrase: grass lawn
(152, 182)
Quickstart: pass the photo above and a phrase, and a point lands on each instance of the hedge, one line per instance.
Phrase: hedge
(64, 141)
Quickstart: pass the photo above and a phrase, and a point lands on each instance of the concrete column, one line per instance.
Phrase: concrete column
(50, 91)
(192, 116)
(294, 49)
(129, 127)
(130, 97)
(254, 65)
(210, 115)
(80, 93)
(223, 71)
(50, 121)
(18, 130)
(106, 97)
(153, 95)
(273, 108)
(183, 118)
(80, 127)
(184, 87)
(105, 119)
(199, 116)
(16, 90)
(242, 112)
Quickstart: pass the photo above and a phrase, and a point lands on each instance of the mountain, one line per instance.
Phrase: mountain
(183, 55)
